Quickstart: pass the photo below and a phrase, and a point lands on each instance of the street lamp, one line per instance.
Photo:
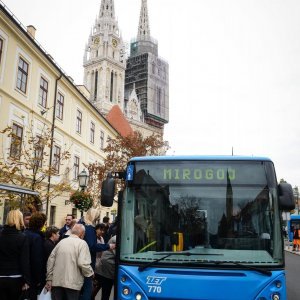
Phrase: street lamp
(83, 179)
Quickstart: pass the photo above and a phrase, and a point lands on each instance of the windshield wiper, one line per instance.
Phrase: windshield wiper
(168, 254)
(260, 270)
(186, 253)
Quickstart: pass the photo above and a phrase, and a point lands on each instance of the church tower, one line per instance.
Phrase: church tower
(148, 75)
(104, 61)
(144, 29)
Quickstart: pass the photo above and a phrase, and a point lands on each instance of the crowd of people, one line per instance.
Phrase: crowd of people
(73, 262)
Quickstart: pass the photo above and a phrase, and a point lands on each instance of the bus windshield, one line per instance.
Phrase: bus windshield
(217, 212)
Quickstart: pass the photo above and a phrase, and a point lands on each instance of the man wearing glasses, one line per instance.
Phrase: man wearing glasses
(66, 227)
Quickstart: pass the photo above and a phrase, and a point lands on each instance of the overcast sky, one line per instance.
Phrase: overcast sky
(234, 68)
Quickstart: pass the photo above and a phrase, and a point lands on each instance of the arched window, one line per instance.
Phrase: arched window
(96, 86)
(111, 85)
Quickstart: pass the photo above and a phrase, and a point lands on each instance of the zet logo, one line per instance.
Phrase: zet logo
(154, 284)
(155, 280)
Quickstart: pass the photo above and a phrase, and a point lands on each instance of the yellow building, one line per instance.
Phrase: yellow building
(35, 90)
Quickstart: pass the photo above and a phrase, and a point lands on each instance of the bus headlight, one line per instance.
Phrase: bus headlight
(275, 297)
(126, 291)
(138, 296)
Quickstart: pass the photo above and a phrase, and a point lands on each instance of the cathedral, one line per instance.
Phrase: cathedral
(131, 91)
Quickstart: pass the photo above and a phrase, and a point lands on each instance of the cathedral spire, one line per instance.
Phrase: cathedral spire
(106, 21)
(104, 61)
(107, 9)
(144, 28)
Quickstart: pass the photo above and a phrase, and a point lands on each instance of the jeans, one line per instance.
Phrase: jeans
(86, 291)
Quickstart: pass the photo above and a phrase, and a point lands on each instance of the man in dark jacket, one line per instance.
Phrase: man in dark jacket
(37, 258)
(66, 227)
(112, 231)
(107, 225)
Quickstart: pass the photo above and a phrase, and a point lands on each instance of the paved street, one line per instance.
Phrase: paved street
(292, 261)
(292, 275)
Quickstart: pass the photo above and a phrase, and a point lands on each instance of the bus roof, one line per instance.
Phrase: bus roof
(201, 158)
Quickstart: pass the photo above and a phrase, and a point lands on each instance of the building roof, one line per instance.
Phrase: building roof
(116, 118)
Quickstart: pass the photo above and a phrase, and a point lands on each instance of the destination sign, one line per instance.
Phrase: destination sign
(198, 174)
(187, 172)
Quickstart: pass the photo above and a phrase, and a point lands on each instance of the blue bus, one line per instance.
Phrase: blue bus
(200, 227)
(291, 224)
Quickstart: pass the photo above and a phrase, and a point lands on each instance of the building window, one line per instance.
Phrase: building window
(38, 152)
(43, 92)
(153, 68)
(52, 215)
(101, 140)
(78, 121)
(96, 86)
(74, 213)
(158, 100)
(56, 158)
(22, 75)
(76, 167)
(16, 141)
(60, 106)
(92, 133)
(1, 49)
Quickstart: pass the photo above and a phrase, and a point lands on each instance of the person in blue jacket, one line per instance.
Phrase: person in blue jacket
(91, 239)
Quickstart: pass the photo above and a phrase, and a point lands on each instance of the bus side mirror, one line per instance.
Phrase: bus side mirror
(286, 197)
(108, 191)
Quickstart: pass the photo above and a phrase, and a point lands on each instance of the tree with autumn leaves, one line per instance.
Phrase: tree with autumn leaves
(119, 151)
(24, 161)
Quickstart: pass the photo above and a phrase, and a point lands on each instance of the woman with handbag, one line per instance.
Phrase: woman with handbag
(14, 258)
